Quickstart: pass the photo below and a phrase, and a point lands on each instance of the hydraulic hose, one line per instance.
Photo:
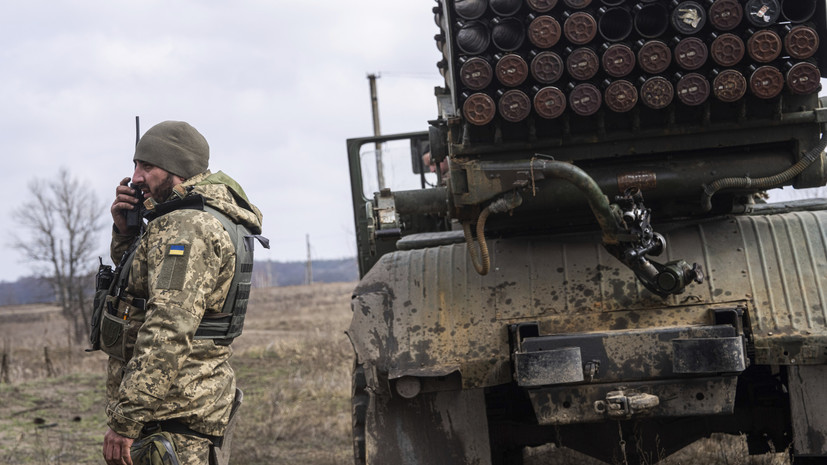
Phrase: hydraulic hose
(483, 263)
(607, 217)
(762, 183)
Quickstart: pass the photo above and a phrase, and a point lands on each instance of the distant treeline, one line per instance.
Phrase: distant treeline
(33, 290)
(271, 274)
(28, 290)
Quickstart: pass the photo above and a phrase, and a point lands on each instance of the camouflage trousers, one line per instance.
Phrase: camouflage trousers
(190, 450)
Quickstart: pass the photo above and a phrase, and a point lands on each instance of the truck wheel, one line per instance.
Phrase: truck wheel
(359, 406)
(447, 427)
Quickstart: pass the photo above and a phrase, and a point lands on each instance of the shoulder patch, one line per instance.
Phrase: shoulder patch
(174, 268)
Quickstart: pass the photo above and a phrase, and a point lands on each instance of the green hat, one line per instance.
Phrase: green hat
(176, 147)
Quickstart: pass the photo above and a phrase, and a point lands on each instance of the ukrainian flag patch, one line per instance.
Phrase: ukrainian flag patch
(174, 267)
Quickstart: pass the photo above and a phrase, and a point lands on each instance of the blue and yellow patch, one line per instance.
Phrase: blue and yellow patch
(174, 268)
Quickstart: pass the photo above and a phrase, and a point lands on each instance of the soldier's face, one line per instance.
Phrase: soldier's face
(154, 181)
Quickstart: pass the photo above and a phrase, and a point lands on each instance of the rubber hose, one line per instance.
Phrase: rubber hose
(599, 204)
(483, 263)
(762, 183)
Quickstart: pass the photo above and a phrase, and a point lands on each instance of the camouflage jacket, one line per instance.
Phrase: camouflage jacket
(183, 267)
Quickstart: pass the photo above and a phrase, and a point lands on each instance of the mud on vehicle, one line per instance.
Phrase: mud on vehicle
(592, 263)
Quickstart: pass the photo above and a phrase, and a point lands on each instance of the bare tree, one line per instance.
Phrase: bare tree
(61, 218)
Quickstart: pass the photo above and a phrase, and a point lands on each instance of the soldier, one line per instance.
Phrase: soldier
(170, 387)
(441, 171)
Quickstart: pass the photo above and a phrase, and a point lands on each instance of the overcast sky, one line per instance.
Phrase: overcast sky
(275, 86)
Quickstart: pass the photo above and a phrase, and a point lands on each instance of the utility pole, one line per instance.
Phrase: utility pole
(374, 102)
(308, 271)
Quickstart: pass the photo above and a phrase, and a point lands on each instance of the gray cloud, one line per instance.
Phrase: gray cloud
(276, 88)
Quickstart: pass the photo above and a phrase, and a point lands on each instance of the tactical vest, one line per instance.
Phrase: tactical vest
(222, 327)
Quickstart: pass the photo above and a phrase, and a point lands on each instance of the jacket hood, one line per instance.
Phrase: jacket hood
(223, 193)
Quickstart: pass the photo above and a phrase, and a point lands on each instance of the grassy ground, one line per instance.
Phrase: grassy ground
(293, 363)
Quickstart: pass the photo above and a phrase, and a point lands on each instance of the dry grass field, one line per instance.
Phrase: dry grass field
(293, 363)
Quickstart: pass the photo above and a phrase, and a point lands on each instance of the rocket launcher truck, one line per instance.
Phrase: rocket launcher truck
(584, 254)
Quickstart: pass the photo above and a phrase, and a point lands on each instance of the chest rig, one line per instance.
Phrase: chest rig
(112, 302)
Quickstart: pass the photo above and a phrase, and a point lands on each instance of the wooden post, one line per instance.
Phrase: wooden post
(50, 369)
(5, 376)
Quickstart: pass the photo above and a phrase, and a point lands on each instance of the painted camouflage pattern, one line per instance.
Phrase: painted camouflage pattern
(169, 375)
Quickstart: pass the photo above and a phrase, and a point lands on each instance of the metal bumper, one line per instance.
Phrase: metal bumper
(589, 377)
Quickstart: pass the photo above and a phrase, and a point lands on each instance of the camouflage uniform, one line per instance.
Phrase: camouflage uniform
(183, 267)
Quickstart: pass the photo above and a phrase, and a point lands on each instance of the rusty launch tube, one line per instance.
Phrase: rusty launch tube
(651, 19)
(798, 11)
(615, 23)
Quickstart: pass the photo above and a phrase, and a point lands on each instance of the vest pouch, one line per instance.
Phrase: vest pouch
(103, 281)
(97, 315)
(117, 332)
(113, 331)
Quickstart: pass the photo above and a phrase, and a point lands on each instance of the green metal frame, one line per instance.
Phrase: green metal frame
(366, 257)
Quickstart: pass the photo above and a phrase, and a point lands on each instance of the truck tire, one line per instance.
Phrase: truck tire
(447, 427)
(359, 406)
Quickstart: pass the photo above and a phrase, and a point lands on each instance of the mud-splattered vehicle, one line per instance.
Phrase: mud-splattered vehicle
(593, 264)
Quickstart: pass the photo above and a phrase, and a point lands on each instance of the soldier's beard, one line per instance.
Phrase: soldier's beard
(164, 189)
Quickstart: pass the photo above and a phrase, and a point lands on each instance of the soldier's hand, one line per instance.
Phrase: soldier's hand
(116, 448)
(124, 200)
